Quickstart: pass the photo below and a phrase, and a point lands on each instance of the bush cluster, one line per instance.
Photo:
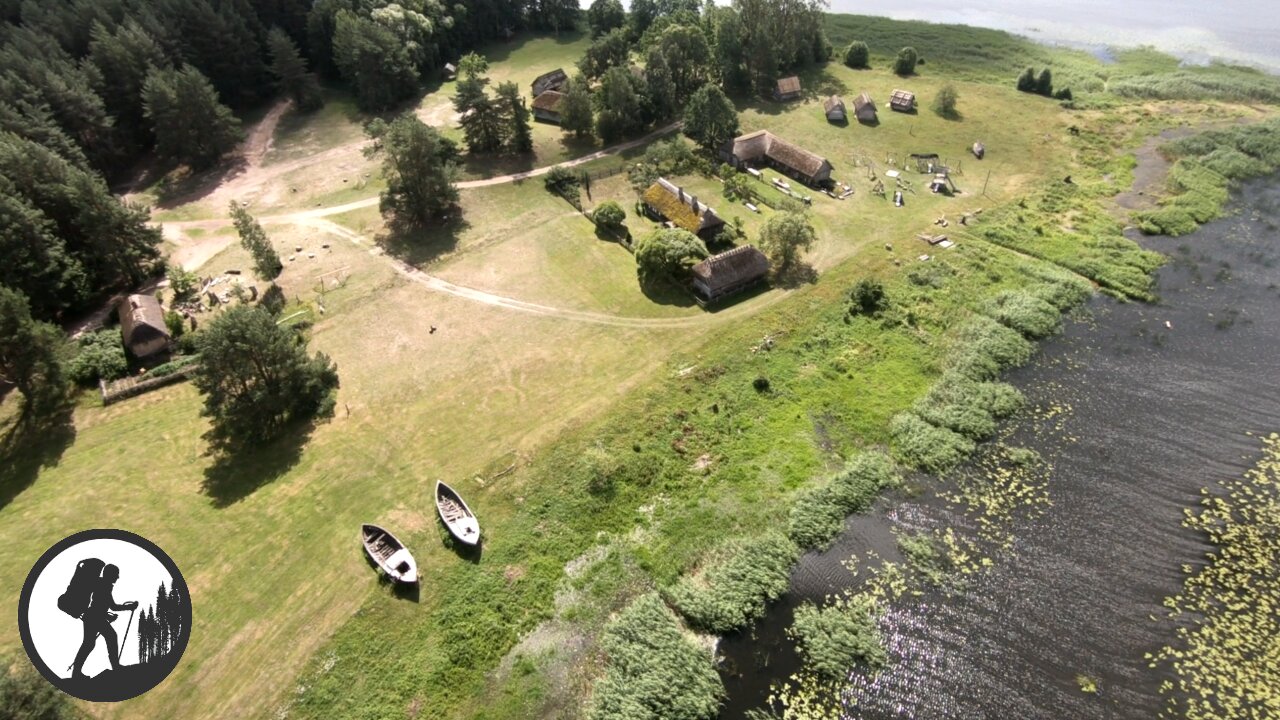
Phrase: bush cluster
(819, 513)
(926, 446)
(654, 670)
(737, 584)
(99, 355)
(984, 347)
(968, 407)
(1026, 313)
(834, 638)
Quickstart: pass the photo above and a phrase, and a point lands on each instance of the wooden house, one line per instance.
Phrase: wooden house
(834, 109)
(764, 148)
(864, 108)
(664, 200)
(546, 107)
(729, 273)
(554, 80)
(787, 89)
(142, 325)
(902, 101)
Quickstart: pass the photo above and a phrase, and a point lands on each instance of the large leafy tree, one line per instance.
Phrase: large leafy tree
(660, 95)
(620, 109)
(730, 54)
(576, 113)
(605, 15)
(420, 167)
(291, 74)
(374, 60)
(688, 57)
(191, 126)
(257, 378)
(29, 352)
(609, 50)
(710, 118)
(857, 55)
(667, 253)
(519, 135)
(784, 237)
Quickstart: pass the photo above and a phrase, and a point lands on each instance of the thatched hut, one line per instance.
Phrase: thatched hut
(546, 107)
(729, 273)
(864, 108)
(902, 101)
(833, 107)
(787, 89)
(142, 325)
(555, 80)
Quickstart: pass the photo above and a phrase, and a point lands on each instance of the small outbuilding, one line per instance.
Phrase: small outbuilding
(142, 325)
(729, 273)
(554, 80)
(902, 101)
(450, 71)
(864, 108)
(546, 107)
(664, 200)
(834, 109)
(787, 89)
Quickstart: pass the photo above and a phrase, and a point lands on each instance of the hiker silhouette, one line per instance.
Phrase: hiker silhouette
(97, 618)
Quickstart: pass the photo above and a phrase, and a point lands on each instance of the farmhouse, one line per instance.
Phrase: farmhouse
(764, 148)
(546, 107)
(902, 101)
(788, 88)
(729, 273)
(142, 325)
(554, 80)
(864, 108)
(665, 200)
(834, 108)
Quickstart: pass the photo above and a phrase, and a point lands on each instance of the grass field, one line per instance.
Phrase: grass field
(659, 389)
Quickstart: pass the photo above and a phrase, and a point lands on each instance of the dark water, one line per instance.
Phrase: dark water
(1156, 413)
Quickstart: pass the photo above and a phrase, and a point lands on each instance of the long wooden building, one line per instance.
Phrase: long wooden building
(764, 148)
(664, 200)
(729, 273)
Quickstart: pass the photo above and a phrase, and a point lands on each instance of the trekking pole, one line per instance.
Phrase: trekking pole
(126, 628)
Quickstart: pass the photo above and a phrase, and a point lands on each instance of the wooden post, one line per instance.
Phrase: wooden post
(984, 183)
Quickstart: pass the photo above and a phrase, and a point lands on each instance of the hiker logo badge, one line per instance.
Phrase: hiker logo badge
(105, 615)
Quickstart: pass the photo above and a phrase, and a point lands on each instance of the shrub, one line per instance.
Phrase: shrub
(1027, 81)
(25, 695)
(1025, 313)
(926, 446)
(100, 355)
(835, 638)
(273, 300)
(857, 55)
(944, 103)
(609, 215)
(654, 671)
(818, 514)
(1064, 94)
(905, 63)
(984, 347)
(737, 585)
(182, 283)
(176, 323)
(968, 407)
(761, 384)
(171, 367)
(867, 297)
(601, 468)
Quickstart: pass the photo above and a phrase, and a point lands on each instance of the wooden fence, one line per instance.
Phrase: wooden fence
(125, 388)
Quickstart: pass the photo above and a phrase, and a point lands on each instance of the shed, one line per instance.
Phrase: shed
(554, 80)
(450, 71)
(864, 108)
(902, 101)
(546, 107)
(834, 109)
(788, 88)
(664, 200)
(764, 148)
(729, 273)
(142, 325)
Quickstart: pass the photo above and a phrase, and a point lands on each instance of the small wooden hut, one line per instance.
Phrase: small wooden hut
(555, 80)
(834, 109)
(864, 108)
(142, 325)
(450, 71)
(546, 107)
(902, 101)
(787, 89)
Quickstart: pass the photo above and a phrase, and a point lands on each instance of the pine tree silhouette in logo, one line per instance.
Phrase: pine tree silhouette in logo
(160, 628)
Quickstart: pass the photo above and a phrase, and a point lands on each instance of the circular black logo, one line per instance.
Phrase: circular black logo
(105, 615)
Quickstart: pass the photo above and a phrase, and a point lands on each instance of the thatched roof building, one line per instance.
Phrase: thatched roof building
(546, 107)
(729, 273)
(834, 109)
(788, 88)
(764, 148)
(554, 80)
(902, 101)
(665, 200)
(864, 108)
(142, 325)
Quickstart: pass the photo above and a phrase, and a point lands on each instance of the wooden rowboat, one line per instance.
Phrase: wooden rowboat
(389, 553)
(456, 515)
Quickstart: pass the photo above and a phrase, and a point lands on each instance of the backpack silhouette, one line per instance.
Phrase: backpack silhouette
(76, 599)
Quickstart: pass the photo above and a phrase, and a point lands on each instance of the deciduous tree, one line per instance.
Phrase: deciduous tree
(667, 253)
(784, 237)
(609, 50)
(620, 111)
(257, 379)
(605, 15)
(29, 352)
(710, 119)
(857, 55)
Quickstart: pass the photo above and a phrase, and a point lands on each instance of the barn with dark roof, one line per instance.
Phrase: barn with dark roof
(764, 148)
(142, 325)
(788, 88)
(546, 107)
(554, 80)
(729, 273)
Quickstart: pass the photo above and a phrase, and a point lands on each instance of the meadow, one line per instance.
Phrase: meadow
(609, 440)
